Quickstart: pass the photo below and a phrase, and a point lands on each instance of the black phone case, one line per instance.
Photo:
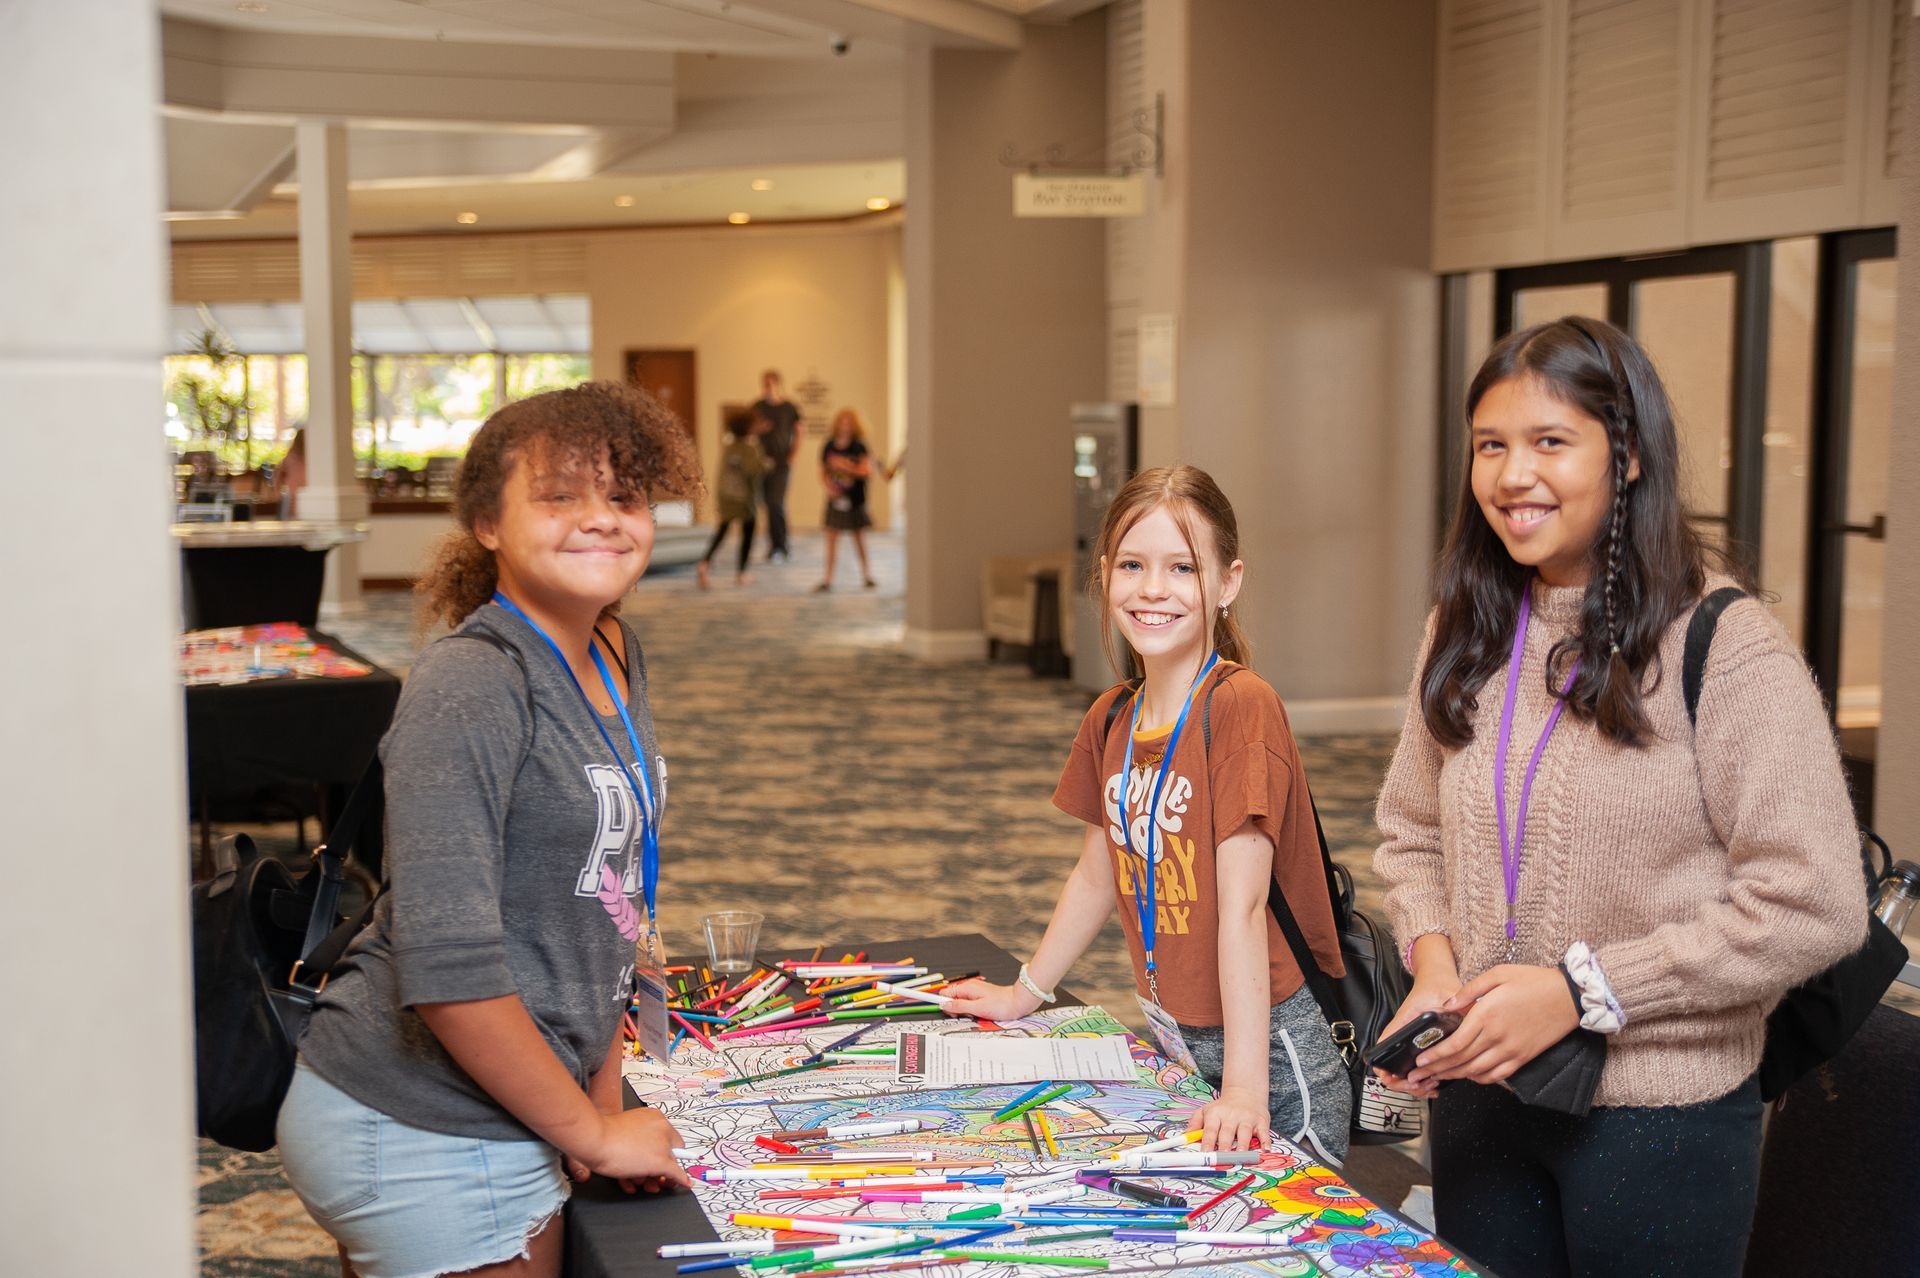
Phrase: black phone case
(1397, 1052)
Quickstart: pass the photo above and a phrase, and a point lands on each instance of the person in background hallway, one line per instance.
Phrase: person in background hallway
(1189, 782)
(290, 476)
(844, 470)
(464, 1060)
(1656, 882)
(742, 463)
(781, 442)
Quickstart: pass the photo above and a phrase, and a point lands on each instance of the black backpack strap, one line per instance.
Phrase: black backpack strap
(1693, 662)
(1132, 687)
(326, 937)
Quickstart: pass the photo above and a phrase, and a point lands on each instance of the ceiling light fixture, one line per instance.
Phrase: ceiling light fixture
(739, 219)
(466, 219)
(879, 202)
(762, 184)
(623, 201)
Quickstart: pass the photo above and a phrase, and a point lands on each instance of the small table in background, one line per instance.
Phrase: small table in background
(237, 574)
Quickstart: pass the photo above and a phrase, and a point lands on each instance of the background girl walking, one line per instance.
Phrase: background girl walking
(742, 463)
(465, 1057)
(1186, 834)
(1565, 851)
(844, 469)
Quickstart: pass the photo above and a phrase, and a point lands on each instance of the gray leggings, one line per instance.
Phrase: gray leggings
(1295, 1020)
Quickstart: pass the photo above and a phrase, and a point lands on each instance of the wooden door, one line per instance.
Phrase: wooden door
(669, 377)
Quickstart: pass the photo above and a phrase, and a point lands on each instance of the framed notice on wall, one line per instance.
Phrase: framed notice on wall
(1156, 359)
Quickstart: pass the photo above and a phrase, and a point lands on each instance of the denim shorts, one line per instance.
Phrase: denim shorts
(408, 1203)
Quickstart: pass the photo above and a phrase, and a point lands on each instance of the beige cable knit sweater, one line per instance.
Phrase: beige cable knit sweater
(1711, 870)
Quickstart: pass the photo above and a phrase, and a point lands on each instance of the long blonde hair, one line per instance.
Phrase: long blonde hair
(1188, 493)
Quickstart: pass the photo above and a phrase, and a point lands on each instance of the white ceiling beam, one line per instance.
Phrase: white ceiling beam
(597, 154)
(218, 167)
(273, 76)
(978, 23)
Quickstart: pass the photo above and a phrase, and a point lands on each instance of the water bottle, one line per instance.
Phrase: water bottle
(1897, 896)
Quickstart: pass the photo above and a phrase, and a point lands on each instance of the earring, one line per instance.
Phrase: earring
(1223, 610)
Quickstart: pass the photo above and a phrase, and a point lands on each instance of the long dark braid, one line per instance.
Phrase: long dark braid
(1616, 531)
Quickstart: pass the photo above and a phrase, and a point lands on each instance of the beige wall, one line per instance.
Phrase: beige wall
(810, 301)
(96, 1088)
(1308, 326)
(1896, 798)
(1006, 317)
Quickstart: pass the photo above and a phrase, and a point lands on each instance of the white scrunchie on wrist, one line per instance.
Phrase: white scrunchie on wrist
(1600, 1011)
(1027, 984)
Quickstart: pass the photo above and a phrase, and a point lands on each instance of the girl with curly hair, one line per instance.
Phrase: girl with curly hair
(464, 1060)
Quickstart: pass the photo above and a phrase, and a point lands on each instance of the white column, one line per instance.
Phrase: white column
(326, 299)
(96, 1093)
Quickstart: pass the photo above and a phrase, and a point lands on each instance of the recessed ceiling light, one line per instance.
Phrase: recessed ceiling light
(879, 202)
(739, 219)
(623, 201)
(762, 184)
(466, 219)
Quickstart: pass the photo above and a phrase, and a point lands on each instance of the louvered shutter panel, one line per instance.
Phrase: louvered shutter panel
(1893, 22)
(1620, 166)
(1127, 237)
(1492, 134)
(558, 265)
(1779, 117)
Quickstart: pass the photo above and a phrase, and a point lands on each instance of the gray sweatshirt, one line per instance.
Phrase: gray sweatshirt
(513, 866)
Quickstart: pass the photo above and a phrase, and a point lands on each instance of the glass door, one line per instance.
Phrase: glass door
(1846, 561)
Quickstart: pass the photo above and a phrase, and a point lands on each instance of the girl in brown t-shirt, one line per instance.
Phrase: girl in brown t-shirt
(1214, 800)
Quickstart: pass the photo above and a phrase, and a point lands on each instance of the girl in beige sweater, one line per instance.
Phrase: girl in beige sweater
(1564, 850)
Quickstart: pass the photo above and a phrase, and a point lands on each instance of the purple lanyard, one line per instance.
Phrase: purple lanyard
(1511, 844)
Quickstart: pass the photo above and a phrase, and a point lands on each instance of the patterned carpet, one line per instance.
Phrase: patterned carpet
(824, 778)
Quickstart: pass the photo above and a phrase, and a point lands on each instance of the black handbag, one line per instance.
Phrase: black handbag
(263, 946)
(1815, 1019)
(1357, 1006)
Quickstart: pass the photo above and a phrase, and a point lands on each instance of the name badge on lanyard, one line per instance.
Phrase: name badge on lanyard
(1166, 1032)
(649, 958)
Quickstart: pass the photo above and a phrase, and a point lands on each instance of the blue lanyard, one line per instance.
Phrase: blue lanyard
(649, 824)
(1143, 879)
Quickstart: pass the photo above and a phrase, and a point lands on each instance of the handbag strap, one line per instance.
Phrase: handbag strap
(1693, 661)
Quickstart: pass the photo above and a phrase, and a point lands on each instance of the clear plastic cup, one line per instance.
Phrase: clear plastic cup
(731, 938)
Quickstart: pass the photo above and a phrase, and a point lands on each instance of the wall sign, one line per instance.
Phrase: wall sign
(1097, 196)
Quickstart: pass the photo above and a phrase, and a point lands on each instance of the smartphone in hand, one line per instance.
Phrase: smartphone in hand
(1397, 1052)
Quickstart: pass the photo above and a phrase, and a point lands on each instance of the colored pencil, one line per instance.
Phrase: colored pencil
(1221, 1197)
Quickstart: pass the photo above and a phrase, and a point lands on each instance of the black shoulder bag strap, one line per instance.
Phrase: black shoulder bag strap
(1317, 980)
(326, 938)
(1693, 661)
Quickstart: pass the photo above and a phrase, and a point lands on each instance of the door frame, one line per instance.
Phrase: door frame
(1751, 265)
(1832, 444)
(630, 362)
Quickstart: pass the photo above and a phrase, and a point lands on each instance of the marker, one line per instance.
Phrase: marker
(738, 1246)
(1139, 1193)
(982, 1212)
(877, 1013)
(838, 1044)
(781, 1013)
(742, 1079)
(818, 1225)
(1046, 1131)
(1052, 1093)
(901, 991)
(1021, 1099)
(725, 1175)
(1221, 1197)
(1153, 1147)
(814, 971)
(751, 1030)
(970, 1196)
(834, 1252)
(1212, 1237)
(1169, 1222)
(810, 1157)
(1031, 1257)
(849, 1131)
(777, 1146)
(1217, 1158)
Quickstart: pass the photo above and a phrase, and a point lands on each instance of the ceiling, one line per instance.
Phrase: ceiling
(552, 113)
(795, 192)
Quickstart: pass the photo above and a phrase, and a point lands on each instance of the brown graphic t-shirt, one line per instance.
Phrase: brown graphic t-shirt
(1250, 776)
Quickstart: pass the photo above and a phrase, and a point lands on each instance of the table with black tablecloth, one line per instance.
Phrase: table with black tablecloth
(289, 736)
(613, 1235)
(610, 1233)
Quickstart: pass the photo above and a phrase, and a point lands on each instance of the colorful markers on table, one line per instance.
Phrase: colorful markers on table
(1127, 1189)
(1211, 1237)
(851, 1131)
(1221, 1197)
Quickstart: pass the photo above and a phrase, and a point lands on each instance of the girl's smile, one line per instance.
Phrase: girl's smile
(1158, 593)
(568, 541)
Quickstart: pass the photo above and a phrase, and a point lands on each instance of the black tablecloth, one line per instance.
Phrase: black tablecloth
(251, 585)
(246, 740)
(610, 1233)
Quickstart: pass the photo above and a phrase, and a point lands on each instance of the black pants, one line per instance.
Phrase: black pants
(746, 540)
(773, 491)
(1531, 1193)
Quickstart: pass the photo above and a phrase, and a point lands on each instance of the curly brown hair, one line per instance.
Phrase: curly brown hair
(645, 446)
